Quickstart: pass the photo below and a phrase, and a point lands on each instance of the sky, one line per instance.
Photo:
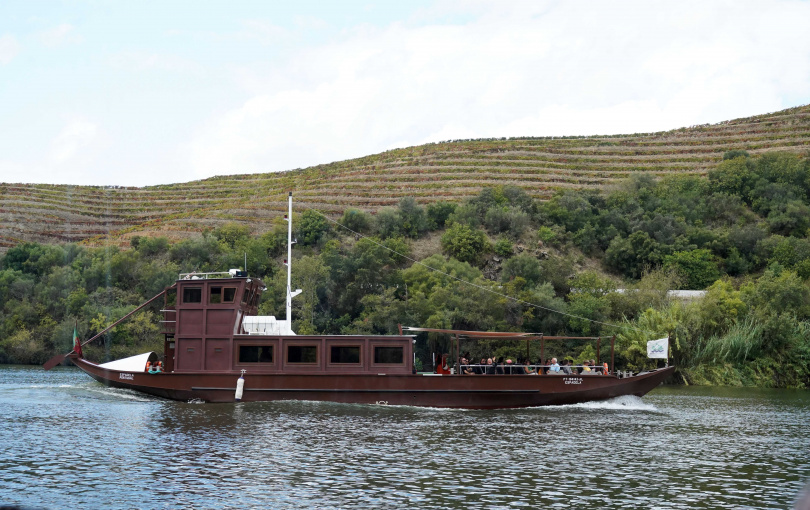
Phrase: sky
(151, 92)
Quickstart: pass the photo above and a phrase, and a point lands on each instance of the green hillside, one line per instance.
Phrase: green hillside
(450, 170)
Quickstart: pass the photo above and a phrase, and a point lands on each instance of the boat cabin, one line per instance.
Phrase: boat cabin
(210, 325)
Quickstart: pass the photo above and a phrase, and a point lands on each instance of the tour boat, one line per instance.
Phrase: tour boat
(217, 349)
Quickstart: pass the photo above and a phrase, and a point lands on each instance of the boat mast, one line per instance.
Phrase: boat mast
(289, 259)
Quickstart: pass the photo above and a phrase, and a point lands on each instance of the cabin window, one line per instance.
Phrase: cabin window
(388, 355)
(344, 354)
(192, 294)
(228, 294)
(302, 354)
(215, 296)
(255, 354)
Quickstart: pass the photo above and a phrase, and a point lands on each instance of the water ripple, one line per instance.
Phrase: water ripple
(74, 442)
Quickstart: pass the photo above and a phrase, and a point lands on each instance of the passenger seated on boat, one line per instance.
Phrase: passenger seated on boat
(508, 367)
(528, 368)
(585, 368)
(554, 367)
(480, 369)
(466, 369)
(565, 368)
(499, 366)
(490, 367)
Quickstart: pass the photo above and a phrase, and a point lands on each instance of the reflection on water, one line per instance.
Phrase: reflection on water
(74, 442)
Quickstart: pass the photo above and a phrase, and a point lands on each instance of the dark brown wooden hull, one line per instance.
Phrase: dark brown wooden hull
(449, 391)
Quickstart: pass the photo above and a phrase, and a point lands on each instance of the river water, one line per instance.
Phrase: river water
(71, 442)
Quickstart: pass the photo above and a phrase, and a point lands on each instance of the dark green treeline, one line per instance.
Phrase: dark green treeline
(594, 263)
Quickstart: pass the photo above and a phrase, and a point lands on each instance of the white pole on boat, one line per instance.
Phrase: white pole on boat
(289, 259)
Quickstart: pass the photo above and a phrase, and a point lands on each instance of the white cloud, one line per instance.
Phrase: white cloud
(530, 69)
(59, 35)
(9, 47)
(76, 136)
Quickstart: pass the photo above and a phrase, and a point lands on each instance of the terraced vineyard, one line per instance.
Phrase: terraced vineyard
(449, 170)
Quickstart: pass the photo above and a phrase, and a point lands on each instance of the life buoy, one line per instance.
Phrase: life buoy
(154, 369)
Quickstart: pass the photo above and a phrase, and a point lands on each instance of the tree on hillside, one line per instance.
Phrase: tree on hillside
(698, 268)
(465, 244)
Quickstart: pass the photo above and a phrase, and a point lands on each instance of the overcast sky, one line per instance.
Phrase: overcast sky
(152, 92)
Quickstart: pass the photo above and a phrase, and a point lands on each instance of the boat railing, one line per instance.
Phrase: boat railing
(205, 276)
(538, 369)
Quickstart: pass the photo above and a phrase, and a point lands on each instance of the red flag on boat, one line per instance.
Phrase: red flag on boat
(77, 346)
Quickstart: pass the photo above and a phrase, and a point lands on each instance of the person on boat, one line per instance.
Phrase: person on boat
(466, 369)
(508, 367)
(443, 368)
(499, 366)
(480, 369)
(490, 367)
(528, 369)
(585, 368)
(564, 368)
(554, 367)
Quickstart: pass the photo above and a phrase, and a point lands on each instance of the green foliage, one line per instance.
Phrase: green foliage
(357, 221)
(720, 309)
(523, 266)
(698, 268)
(438, 212)
(465, 244)
(413, 218)
(311, 228)
(503, 248)
(735, 154)
(231, 234)
(510, 220)
(546, 234)
(775, 294)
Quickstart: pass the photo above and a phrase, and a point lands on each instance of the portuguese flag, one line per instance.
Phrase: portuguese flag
(77, 346)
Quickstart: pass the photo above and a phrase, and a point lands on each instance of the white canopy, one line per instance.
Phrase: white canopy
(132, 364)
(266, 325)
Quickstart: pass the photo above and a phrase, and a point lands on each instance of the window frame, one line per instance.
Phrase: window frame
(260, 347)
(374, 361)
(357, 363)
(187, 293)
(301, 346)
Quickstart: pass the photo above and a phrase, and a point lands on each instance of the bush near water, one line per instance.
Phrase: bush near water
(741, 233)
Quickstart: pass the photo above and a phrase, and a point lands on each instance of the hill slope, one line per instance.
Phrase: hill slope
(442, 171)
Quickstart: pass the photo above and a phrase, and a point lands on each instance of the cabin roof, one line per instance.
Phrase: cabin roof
(478, 334)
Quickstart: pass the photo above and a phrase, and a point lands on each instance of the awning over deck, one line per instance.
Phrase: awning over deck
(132, 364)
